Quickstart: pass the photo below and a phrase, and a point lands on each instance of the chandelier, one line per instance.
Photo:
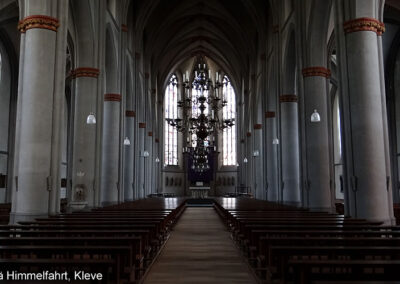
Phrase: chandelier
(199, 118)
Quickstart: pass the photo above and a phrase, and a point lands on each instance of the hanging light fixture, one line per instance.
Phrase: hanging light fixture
(245, 160)
(91, 119)
(275, 141)
(315, 117)
(157, 160)
(127, 142)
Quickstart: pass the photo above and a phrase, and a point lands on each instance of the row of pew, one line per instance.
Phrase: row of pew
(285, 244)
(114, 244)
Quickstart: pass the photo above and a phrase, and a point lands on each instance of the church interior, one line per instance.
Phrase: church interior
(200, 141)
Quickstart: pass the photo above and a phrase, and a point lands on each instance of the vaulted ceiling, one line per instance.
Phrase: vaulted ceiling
(226, 31)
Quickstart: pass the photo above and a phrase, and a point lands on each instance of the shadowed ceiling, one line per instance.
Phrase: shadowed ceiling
(228, 32)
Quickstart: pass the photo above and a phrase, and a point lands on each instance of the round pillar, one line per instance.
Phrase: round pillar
(84, 139)
(33, 180)
(110, 164)
(290, 150)
(318, 194)
(369, 193)
(128, 165)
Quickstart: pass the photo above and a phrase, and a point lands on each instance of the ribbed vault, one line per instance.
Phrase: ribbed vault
(226, 31)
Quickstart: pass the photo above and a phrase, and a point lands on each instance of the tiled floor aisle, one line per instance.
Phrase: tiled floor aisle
(199, 250)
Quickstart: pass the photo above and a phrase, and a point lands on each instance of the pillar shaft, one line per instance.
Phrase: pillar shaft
(369, 194)
(272, 157)
(111, 142)
(129, 151)
(36, 117)
(318, 182)
(290, 150)
(83, 162)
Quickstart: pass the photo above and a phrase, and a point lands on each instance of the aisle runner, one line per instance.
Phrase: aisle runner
(199, 250)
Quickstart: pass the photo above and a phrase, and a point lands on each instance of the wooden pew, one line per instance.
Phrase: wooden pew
(122, 239)
(276, 238)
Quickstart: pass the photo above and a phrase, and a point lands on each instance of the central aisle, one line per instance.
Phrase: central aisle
(199, 250)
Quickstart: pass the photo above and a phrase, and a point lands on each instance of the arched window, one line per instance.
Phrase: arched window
(171, 111)
(229, 134)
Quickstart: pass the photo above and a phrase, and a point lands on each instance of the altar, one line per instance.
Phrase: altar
(199, 191)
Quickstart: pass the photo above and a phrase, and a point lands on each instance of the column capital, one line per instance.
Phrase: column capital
(130, 113)
(112, 97)
(38, 22)
(316, 71)
(257, 126)
(269, 114)
(288, 99)
(124, 28)
(150, 134)
(84, 72)
(364, 24)
(248, 134)
(142, 125)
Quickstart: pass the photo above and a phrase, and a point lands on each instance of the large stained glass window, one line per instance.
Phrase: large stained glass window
(229, 134)
(171, 111)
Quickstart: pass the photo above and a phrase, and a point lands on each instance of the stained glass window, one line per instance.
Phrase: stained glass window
(229, 134)
(171, 111)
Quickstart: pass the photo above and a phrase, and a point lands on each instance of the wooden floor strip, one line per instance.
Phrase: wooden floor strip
(199, 250)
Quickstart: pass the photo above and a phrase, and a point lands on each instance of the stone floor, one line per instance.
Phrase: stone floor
(199, 250)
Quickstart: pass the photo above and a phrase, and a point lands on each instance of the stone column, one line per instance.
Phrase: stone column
(290, 150)
(318, 182)
(257, 164)
(272, 158)
(84, 139)
(111, 143)
(141, 160)
(129, 151)
(35, 117)
(149, 164)
(369, 190)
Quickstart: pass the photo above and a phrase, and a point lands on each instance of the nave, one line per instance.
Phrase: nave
(199, 250)
(234, 240)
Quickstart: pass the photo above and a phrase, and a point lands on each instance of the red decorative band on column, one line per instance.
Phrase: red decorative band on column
(275, 29)
(124, 28)
(38, 22)
(269, 114)
(248, 134)
(150, 133)
(364, 24)
(142, 125)
(157, 140)
(137, 55)
(316, 71)
(130, 113)
(288, 99)
(112, 97)
(257, 126)
(84, 72)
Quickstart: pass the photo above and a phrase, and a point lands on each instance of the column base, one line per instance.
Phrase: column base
(18, 217)
(292, 203)
(108, 203)
(323, 209)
